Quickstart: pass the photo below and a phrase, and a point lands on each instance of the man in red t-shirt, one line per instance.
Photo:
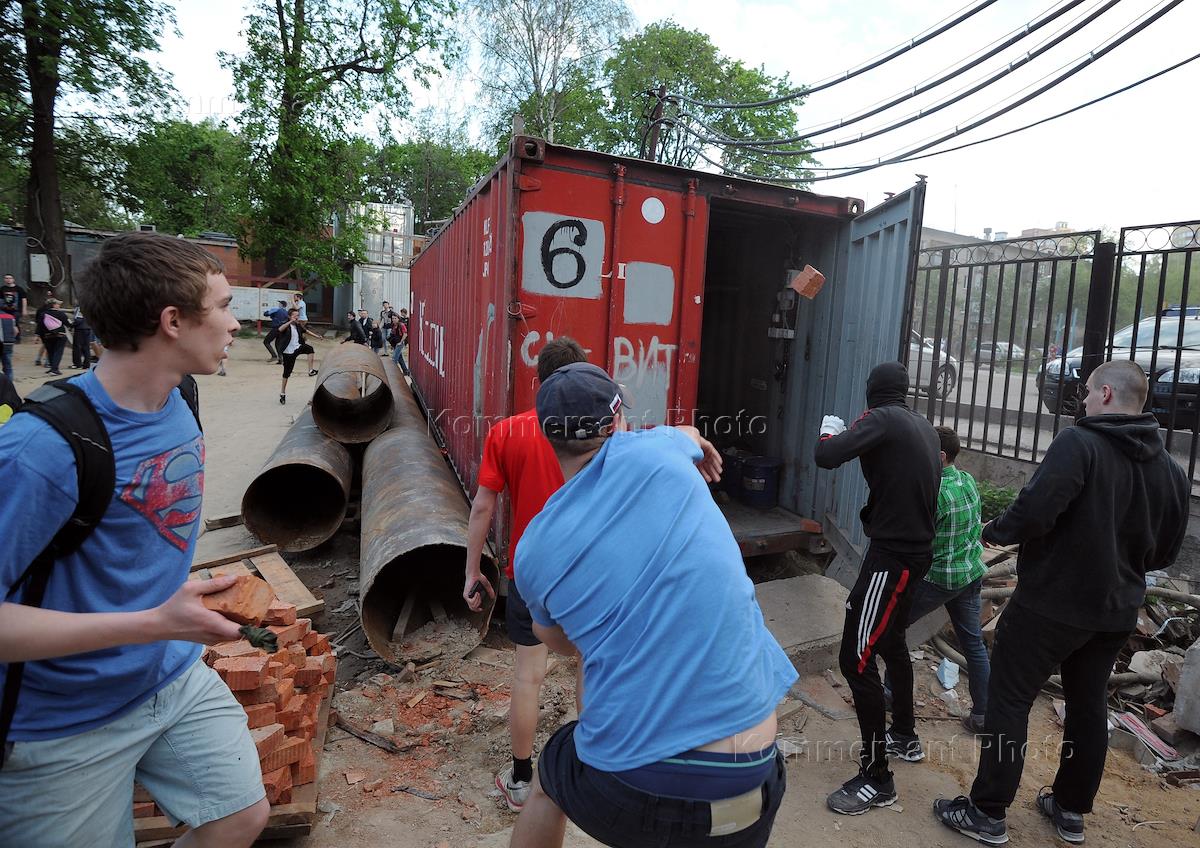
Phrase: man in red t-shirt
(517, 457)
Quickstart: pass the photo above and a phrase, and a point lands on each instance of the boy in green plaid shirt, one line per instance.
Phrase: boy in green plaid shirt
(956, 577)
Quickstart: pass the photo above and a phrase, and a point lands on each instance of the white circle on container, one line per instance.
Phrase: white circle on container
(653, 210)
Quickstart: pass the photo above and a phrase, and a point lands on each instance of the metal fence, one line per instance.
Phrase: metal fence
(1003, 334)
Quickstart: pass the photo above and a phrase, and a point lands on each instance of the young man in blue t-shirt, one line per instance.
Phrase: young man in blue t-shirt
(114, 689)
(632, 564)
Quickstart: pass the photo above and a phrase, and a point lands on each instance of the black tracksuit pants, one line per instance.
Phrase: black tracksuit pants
(876, 621)
(1028, 648)
(269, 342)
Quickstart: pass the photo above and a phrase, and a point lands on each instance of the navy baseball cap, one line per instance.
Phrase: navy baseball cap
(577, 402)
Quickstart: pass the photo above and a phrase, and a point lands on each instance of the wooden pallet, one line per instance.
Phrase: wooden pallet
(285, 821)
(270, 567)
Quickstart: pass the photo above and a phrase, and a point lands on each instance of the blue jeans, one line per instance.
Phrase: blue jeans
(963, 606)
(6, 359)
(398, 358)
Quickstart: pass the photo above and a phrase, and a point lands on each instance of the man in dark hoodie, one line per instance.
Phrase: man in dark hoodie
(1106, 505)
(898, 452)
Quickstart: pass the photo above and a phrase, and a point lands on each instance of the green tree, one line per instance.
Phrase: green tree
(310, 71)
(690, 66)
(434, 169)
(91, 50)
(542, 57)
(187, 178)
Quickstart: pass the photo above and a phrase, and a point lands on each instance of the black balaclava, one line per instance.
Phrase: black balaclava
(887, 383)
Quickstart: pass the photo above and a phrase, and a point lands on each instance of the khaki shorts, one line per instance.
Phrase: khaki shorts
(188, 745)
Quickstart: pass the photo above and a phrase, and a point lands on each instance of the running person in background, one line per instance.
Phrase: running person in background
(292, 346)
(517, 457)
(279, 316)
(301, 307)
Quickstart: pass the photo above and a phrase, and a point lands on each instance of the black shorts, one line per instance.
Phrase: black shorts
(615, 813)
(289, 359)
(517, 619)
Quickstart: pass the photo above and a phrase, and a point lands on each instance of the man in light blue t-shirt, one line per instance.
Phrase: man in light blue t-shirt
(632, 565)
(114, 690)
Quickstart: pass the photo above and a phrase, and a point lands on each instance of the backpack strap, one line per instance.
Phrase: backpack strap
(191, 396)
(67, 409)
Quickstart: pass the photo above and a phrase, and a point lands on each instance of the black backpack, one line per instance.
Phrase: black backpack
(65, 407)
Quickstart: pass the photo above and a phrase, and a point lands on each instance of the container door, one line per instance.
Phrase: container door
(862, 328)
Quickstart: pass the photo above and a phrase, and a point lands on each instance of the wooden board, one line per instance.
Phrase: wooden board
(288, 587)
(767, 531)
(220, 521)
(285, 821)
(236, 556)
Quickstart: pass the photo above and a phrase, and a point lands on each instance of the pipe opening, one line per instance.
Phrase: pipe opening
(351, 408)
(295, 507)
(431, 572)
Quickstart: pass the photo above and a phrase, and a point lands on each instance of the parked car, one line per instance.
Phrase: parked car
(921, 350)
(999, 352)
(1058, 382)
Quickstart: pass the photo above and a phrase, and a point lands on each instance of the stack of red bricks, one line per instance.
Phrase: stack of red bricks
(282, 694)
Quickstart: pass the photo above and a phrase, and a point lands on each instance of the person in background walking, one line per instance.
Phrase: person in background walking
(385, 316)
(13, 301)
(8, 337)
(301, 307)
(53, 325)
(898, 453)
(397, 336)
(956, 577)
(355, 334)
(81, 340)
(279, 316)
(1106, 505)
(292, 345)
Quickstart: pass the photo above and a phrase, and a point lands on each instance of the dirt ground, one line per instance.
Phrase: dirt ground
(439, 793)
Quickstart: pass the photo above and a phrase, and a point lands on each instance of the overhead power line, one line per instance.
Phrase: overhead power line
(1078, 66)
(958, 96)
(870, 65)
(857, 169)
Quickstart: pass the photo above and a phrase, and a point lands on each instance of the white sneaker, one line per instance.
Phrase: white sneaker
(515, 792)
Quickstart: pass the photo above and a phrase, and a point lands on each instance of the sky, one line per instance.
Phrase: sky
(1128, 161)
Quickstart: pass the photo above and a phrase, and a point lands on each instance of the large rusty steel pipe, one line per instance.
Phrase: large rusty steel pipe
(351, 402)
(299, 498)
(414, 532)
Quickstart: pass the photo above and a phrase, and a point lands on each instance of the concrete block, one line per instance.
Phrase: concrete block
(1187, 694)
(805, 615)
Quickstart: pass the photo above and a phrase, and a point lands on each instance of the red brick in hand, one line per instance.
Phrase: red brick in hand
(245, 602)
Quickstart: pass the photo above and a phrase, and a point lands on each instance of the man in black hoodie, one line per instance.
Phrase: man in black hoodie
(1106, 505)
(898, 452)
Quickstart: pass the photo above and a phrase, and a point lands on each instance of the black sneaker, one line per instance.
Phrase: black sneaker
(861, 793)
(1069, 825)
(282, 400)
(962, 815)
(906, 747)
(973, 723)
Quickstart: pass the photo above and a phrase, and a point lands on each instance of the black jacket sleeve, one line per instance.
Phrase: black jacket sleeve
(864, 434)
(1056, 483)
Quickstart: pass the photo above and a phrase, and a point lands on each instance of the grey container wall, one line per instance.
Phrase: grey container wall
(851, 327)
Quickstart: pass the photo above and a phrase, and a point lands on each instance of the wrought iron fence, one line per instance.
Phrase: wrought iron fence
(987, 320)
(1003, 334)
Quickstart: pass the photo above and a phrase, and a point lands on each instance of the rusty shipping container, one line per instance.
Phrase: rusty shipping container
(675, 281)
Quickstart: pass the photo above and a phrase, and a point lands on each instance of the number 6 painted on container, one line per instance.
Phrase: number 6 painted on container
(548, 255)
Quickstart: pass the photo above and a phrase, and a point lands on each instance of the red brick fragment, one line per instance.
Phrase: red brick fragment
(242, 673)
(267, 739)
(289, 633)
(268, 693)
(304, 770)
(245, 602)
(260, 715)
(287, 753)
(144, 809)
(278, 783)
(280, 612)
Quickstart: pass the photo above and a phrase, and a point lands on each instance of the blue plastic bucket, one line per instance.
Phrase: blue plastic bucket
(760, 481)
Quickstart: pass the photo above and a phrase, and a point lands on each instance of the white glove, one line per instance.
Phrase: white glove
(831, 425)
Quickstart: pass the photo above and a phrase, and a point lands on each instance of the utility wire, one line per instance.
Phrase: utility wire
(1063, 114)
(899, 50)
(958, 96)
(1082, 63)
(861, 168)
